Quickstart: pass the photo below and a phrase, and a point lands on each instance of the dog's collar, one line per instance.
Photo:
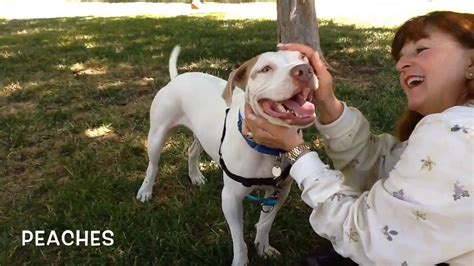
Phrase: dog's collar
(250, 181)
(254, 145)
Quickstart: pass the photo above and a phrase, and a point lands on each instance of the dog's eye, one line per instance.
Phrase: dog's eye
(265, 69)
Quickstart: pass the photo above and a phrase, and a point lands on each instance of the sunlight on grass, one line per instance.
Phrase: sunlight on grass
(144, 144)
(204, 166)
(90, 45)
(60, 67)
(32, 31)
(82, 69)
(145, 81)
(26, 32)
(7, 55)
(213, 63)
(10, 89)
(83, 37)
(170, 145)
(102, 131)
(236, 25)
(350, 50)
(109, 85)
(87, 40)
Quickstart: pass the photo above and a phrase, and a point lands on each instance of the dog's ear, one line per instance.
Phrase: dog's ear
(238, 78)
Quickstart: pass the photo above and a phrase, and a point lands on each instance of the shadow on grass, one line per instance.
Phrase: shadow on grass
(64, 78)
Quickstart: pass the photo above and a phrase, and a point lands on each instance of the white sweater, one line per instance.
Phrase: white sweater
(418, 208)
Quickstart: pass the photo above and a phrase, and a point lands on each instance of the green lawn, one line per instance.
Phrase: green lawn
(74, 101)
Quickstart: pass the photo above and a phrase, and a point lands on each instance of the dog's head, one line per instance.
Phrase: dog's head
(278, 86)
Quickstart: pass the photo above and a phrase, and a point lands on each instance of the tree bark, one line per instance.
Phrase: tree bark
(297, 23)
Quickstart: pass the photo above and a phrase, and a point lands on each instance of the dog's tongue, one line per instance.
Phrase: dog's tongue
(302, 109)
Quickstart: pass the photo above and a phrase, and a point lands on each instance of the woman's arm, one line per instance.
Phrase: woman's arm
(361, 156)
(421, 214)
(353, 149)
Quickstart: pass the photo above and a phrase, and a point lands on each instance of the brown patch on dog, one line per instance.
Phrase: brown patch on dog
(238, 78)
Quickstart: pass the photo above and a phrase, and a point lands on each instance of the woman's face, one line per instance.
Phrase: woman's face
(432, 72)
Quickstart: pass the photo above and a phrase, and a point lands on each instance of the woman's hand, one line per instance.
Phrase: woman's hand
(270, 135)
(330, 108)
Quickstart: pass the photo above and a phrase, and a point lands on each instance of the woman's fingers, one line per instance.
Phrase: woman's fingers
(249, 124)
(314, 59)
(304, 49)
(257, 126)
(318, 64)
(268, 134)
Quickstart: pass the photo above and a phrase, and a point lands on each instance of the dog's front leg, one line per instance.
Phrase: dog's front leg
(232, 196)
(264, 225)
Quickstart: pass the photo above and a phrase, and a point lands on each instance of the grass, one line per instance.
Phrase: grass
(74, 101)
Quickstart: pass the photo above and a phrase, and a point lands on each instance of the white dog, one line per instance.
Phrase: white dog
(278, 86)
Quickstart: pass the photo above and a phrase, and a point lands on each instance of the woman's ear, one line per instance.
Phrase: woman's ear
(470, 68)
(470, 74)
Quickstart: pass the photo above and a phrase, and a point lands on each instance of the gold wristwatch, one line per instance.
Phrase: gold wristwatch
(297, 151)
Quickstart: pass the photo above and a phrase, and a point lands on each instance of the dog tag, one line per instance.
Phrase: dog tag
(276, 171)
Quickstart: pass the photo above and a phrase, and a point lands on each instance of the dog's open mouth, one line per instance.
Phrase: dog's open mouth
(297, 110)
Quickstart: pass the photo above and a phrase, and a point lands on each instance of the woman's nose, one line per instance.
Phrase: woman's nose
(402, 63)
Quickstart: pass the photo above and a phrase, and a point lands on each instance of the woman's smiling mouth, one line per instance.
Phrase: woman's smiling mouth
(414, 81)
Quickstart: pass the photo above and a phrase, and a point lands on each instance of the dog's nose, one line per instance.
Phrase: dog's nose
(303, 72)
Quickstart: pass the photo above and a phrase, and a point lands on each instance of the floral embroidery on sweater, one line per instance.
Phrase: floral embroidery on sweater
(366, 205)
(353, 163)
(353, 236)
(399, 194)
(389, 233)
(456, 128)
(427, 164)
(337, 196)
(459, 191)
(340, 176)
(420, 216)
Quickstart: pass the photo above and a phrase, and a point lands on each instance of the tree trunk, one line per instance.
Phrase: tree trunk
(297, 23)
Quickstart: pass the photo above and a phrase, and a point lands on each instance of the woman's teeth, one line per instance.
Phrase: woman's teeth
(415, 81)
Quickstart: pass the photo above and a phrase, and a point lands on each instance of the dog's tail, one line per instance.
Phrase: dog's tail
(172, 62)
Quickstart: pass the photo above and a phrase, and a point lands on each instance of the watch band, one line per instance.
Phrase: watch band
(294, 153)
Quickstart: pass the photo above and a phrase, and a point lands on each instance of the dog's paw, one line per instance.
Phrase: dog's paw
(144, 195)
(197, 179)
(267, 251)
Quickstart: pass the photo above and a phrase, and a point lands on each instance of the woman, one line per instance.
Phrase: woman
(395, 201)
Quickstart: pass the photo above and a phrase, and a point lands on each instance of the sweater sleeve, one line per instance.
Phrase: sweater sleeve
(421, 214)
(361, 156)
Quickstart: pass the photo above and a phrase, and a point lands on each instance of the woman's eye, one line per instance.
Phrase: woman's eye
(421, 49)
(265, 69)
